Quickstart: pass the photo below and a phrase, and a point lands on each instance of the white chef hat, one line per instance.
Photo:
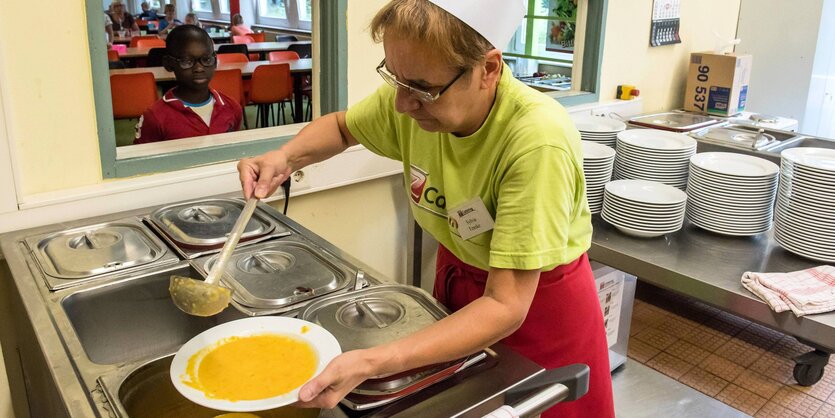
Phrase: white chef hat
(495, 20)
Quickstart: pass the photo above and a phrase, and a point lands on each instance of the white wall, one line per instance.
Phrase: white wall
(819, 118)
(783, 46)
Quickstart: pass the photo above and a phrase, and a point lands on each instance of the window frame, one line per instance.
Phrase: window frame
(215, 14)
(593, 37)
(331, 93)
(292, 21)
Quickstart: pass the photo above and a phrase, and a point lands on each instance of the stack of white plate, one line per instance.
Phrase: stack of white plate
(654, 155)
(805, 219)
(598, 129)
(731, 194)
(643, 208)
(598, 161)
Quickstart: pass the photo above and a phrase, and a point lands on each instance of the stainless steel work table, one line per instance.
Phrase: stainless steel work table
(708, 267)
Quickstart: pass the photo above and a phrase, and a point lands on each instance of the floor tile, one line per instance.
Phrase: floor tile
(687, 352)
(774, 367)
(798, 402)
(739, 352)
(704, 382)
(727, 324)
(826, 411)
(773, 410)
(822, 390)
(640, 350)
(760, 336)
(789, 347)
(669, 365)
(706, 338)
(742, 399)
(675, 326)
(721, 367)
(656, 338)
(758, 383)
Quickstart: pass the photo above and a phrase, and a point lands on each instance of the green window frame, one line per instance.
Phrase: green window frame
(589, 88)
(333, 96)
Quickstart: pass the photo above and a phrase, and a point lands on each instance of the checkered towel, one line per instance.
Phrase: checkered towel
(805, 292)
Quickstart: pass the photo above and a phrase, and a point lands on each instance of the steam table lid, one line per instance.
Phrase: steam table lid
(206, 223)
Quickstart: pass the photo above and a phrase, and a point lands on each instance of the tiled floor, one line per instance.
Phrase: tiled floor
(738, 362)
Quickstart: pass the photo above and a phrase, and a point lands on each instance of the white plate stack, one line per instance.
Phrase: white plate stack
(731, 194)
(805, 219)
(643, 208)
(654, 155)
(598, 129)
(598, 161)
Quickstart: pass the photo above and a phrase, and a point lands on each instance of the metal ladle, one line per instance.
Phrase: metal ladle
(207, 298)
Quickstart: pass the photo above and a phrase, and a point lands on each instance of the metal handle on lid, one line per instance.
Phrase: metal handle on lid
(232, 241)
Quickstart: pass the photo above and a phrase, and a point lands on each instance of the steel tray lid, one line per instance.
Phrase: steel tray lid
(674, 121)
(205, 223)
(375, 315)
(281, 273)
(97, 249)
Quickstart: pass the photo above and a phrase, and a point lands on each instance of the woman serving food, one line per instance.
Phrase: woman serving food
(494, 172)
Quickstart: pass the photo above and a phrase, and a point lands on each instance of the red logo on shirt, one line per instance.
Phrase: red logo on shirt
(418, 182)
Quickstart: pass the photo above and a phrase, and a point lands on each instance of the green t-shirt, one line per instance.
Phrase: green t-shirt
(525, 163)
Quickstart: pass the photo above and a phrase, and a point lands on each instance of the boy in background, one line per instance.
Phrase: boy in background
(191, 108)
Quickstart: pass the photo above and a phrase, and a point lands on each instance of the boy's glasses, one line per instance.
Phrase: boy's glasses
(422, 95)
(188, 62)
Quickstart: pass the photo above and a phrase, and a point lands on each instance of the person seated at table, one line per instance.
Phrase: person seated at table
(108, 31)
(170, 21)
(191, 19)
(191, 108)
(147, 12)
(238, 28)
(122, 20)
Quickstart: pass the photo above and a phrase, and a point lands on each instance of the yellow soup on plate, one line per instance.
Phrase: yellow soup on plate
(251, 368)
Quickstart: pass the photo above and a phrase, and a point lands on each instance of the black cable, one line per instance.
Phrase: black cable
(286, 187)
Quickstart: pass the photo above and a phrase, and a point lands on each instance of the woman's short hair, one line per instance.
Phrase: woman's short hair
(422, 21)
(170, 7)
(237, 19)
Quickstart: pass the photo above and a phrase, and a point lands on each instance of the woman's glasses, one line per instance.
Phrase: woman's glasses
(422, 95)
(188, 62)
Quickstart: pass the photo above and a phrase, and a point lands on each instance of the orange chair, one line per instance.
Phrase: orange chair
(257, 36)
(279, 56)
(112, 55)
(230, 83)
(243, 39)
(230, 58)
(135, 40)
(132, 94)
(150, 43)
(269, 86)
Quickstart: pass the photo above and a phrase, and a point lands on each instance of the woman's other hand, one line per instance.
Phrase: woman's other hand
(260, 176)
(342, 375)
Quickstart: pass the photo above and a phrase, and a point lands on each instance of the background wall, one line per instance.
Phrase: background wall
(660, 73)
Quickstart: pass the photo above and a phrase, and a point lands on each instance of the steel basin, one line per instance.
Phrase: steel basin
(148, 392)
(803, 141)
(135, 318)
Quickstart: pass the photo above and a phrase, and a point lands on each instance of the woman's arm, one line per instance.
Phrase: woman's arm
(497, 314)
(321, 139)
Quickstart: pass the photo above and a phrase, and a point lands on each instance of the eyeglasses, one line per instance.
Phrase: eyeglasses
(422, 95)
(188, 62)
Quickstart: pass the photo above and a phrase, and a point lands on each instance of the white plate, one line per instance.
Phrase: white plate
(623, 147)
(817, 158)
(737, 165)
(596, 151)
(725, 231)
(622, 201)
(597, 124)
(638, 232)
(322, 341)
(654, 139)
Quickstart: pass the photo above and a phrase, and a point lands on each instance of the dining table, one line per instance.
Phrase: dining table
(299, 69)
(219, 37)
(261, 48)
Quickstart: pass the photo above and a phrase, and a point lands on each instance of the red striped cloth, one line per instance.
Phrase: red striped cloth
(805, 292)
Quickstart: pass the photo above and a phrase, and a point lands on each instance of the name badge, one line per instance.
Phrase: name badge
(471, 218)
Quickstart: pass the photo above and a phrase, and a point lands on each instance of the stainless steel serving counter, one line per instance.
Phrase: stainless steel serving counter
(63, 380)
(708, 267)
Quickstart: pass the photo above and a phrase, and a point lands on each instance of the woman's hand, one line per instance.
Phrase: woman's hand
(260, 176)
(342, 375)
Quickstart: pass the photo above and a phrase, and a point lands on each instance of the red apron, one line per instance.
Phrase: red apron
(564, 325)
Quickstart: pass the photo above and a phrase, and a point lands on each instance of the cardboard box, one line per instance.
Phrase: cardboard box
(717, 83)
